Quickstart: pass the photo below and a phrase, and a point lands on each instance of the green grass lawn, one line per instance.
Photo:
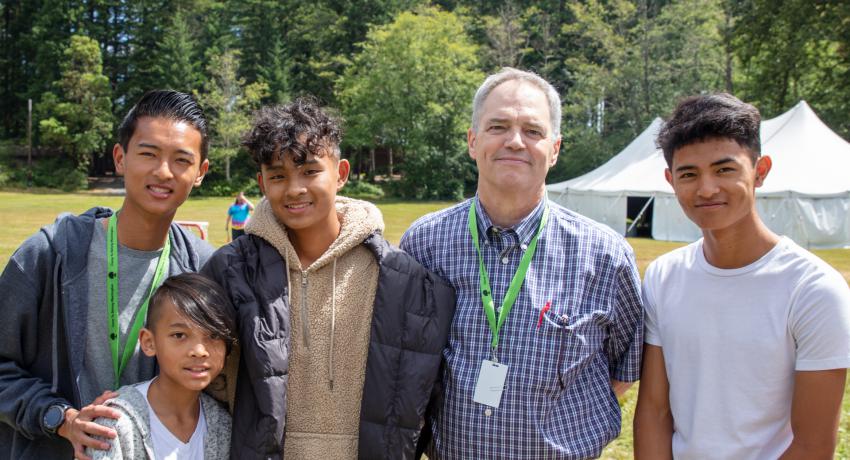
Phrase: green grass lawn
(29, 211)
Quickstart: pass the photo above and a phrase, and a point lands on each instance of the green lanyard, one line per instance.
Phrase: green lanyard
(112, 299)
(516, 282)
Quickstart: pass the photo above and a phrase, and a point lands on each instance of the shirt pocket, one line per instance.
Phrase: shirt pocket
(547, 346)
(581, 343)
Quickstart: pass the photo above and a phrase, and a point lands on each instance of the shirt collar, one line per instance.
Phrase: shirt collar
(525, 228)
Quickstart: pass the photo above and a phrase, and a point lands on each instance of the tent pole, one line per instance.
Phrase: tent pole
(640, 214)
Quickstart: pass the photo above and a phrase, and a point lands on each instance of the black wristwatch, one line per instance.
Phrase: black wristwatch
(54, 417)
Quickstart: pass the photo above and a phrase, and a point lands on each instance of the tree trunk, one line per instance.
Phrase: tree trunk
(371, 163)
(727, 42)
(227, 168)
(390, 164)
(646, 61)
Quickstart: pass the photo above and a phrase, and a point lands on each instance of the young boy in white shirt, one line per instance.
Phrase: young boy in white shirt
(747, 335)
(190, 328)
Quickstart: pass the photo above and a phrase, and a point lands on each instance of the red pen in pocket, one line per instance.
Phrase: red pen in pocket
(543, 312)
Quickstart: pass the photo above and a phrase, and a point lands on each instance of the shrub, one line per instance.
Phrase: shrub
(55, 172)
(425, 177)
(362, 190)
(219, 186)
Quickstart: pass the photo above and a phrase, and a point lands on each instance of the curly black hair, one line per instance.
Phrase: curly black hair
(298, 128)
(711, 116)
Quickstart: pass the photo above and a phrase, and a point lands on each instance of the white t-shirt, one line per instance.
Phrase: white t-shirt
(732, 340)
(166, 446)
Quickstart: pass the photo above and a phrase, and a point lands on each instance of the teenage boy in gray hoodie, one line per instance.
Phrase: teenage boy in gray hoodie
(75, 293)
(341, 334)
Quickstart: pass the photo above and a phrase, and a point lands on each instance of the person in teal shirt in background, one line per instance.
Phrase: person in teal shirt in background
(237, 216)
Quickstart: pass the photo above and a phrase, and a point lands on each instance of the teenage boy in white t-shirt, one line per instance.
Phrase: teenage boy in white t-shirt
(747, 335)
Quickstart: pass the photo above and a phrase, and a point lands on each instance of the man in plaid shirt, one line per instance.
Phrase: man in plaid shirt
(548, 326)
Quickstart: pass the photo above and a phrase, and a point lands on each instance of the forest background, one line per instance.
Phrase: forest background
(401, 73)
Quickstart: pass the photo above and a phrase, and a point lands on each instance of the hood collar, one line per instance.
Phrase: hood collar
(358, 220)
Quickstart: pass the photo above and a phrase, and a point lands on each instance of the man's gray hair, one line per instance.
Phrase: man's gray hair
(508, 74)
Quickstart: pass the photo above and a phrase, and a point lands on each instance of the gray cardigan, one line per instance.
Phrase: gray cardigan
(134, 437)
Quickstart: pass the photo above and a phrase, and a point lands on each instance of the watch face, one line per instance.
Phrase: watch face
(54, 417)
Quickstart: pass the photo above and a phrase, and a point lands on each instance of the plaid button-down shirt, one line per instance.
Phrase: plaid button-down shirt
(557, 402)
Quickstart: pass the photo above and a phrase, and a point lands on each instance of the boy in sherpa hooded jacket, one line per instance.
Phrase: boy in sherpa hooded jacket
(341, 334)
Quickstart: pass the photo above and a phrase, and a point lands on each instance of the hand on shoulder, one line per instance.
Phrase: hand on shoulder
(80, 428)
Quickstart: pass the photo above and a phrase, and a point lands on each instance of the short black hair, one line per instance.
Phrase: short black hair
(170, 104)
(711, 116)
(299, 128)
(199, 300)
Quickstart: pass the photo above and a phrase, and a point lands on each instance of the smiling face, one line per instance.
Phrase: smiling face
(513, 145)
(303, 197)
(160, 166)
(188, 357)
(715, 182)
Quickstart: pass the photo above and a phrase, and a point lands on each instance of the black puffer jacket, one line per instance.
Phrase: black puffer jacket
(411, 317)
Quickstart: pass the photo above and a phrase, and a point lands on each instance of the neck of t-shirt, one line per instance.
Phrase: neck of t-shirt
(739, 245)
(741, 270)
(174, 405)
(140, 232)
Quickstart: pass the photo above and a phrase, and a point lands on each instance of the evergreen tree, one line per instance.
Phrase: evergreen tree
(228, 103)
(178, 66)
(275, 72)
(80, 117)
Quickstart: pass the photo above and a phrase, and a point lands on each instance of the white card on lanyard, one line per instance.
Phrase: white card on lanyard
(491, 383)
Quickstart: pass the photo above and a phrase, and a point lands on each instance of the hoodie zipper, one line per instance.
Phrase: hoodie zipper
(305, 319)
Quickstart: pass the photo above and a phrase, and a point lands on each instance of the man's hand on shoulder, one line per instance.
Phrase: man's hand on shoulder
(79, 426)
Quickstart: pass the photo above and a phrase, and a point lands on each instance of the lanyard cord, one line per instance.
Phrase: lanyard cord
(112, 300)
(516, 282)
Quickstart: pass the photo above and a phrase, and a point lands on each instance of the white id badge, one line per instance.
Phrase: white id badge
(491, 383)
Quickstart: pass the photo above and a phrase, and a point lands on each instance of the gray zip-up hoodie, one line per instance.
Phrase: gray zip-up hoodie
(43, 310)
(134, 441)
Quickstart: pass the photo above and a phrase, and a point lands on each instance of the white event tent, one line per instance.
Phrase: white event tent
(806, 196)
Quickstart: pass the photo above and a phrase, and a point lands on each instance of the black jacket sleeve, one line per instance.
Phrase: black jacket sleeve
(263, 323)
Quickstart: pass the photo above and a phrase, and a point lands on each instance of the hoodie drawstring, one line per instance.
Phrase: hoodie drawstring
(305, 320)
(305, 316)
(333, 327)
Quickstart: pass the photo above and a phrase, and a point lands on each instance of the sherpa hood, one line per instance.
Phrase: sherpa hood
(358, 220)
